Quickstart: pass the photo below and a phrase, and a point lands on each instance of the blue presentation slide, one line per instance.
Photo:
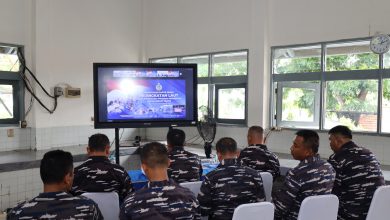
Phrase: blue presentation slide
(146, 99)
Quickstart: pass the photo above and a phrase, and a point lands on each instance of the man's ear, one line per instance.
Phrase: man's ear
(144, 167)
(68, 180)
(88, 150)
(107, 150)
(220, 156)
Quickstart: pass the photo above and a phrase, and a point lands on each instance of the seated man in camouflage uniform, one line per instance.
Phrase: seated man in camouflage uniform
(312, 176)
(55, 202)
(185, 166)
(98, 174)
(229, 185)
(358, 174)
(161, 198)
(257, 156)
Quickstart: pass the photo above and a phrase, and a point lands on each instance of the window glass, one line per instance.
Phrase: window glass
(164, 60)
(386, 106)
(202, 61)
(297, 59)
(203, 95)
(231, 103)
(9, 59)
(298, 104)
(352, 103)
(230, 64)
(6, 102)
(386, 60)
(351, 56)
(222, 79)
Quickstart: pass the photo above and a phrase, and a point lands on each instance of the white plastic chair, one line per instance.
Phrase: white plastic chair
(254, 211)
(108, 203)
(193, 186)
(267, 184)
(379, 208)
(320, 207)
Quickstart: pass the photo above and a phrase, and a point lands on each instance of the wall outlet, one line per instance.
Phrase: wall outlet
(10, 132)
(72, 92)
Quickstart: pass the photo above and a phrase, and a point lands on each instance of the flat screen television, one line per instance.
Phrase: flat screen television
(133, 95)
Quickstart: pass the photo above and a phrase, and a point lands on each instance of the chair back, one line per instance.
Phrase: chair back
(379, 208)
(319, 207)
(254, 211)
(108, 203)
(193, 186)
(267, 185)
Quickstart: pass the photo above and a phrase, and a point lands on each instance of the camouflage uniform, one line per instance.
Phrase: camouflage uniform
(56, 205)
(161, 200)
(312, 176)
(358, 176)
(98, 174)
(185, 166)
(227, 187)
(258, 157)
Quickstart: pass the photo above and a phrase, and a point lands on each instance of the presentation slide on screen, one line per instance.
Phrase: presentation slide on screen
(132, 98)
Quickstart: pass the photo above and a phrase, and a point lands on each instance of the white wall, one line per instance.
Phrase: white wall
(305, 21)
(176, 27)
(62, 39)
(14, 21)
(70, 36)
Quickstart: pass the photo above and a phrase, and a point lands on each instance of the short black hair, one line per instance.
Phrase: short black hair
(311, 139)
(154, 154)
(176, 137)
(341, 130)
(98, 142)
(256, 129)
(55, 165)
(226, 145)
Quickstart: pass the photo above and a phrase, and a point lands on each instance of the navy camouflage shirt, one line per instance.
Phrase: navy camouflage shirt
(185, 166)
(312, 176)
(227, 187)
(358, 176)
(98, 174)
(258, 157)
(161, 200)
(56, 205)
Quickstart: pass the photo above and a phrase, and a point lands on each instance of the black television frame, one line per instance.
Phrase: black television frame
(144, 123)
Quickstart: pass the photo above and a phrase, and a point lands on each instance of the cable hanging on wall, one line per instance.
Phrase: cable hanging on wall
(29, 88)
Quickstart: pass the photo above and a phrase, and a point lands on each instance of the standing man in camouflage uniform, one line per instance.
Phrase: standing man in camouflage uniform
(185, 166)
(161, 198)
(229, 185)
(358, 174)
(257, 156)
(312, 176)
(55, 202)
(98, 174)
